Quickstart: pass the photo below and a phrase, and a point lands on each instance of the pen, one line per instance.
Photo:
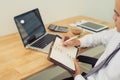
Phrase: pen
(74, 37)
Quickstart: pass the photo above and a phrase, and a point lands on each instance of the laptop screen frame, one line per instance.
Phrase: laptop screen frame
(37, 13)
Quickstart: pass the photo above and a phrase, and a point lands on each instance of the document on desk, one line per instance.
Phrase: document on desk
(63, 56)
(90, 26)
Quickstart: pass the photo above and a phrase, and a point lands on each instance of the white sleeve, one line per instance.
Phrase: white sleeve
(79, 77)
(92, 40)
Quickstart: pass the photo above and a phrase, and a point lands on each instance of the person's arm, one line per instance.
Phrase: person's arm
(90, 40)
(77, 68)
(77, 75)
(95, 39)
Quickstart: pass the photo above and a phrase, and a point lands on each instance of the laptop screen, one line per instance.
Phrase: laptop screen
(30, 26)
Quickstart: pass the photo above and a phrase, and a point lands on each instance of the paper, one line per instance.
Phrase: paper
(63, 55)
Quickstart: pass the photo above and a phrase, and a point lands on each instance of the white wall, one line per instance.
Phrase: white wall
(99, 9)
(53, 10)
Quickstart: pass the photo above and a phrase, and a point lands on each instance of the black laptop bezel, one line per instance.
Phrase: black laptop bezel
(40, 18)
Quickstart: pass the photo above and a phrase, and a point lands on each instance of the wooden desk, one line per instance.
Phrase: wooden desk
(17, 62)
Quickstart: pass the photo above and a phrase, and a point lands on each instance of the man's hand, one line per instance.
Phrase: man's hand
(77, 67)
(74, 42)
(64, 38)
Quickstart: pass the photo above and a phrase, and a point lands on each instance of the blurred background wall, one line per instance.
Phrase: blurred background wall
(53, 10)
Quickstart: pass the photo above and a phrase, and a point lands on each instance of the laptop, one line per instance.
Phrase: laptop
(32, 31)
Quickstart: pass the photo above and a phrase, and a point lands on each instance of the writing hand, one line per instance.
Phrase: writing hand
(73, 42)
(64, 38)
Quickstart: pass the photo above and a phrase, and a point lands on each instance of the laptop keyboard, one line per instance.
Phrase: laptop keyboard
(41, 43)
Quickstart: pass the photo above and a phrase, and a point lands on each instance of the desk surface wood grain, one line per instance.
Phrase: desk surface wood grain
(17, 62)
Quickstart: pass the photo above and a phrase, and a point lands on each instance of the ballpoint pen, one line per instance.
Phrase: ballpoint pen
(74, 37)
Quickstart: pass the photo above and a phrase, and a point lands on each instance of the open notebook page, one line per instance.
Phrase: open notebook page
(63, 55)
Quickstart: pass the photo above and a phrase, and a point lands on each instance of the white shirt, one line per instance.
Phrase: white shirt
(109, 38)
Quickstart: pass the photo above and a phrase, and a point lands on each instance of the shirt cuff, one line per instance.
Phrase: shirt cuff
(83, 42)
(79, 77)
(86, 41)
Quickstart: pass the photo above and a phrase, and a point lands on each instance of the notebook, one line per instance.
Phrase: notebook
(63, 56)
(32, 31)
